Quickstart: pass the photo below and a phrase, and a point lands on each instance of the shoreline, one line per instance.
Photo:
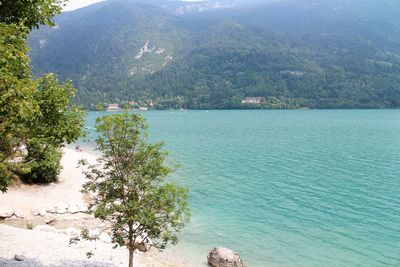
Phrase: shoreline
(47, 208)
(25, 198)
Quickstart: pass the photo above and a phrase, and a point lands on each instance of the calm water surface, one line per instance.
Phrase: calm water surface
(288, 188)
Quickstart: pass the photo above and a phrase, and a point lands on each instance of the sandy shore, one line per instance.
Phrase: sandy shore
(51, 248)
(26, 198)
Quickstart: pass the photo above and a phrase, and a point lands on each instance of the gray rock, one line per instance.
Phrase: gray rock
(144, 244)
(224, 257)
(18, 257)
(6, 212)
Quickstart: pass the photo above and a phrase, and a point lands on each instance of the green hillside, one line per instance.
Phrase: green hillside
(294, 53)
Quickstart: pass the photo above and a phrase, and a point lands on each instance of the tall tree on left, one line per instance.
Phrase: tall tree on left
(36, 118)
(30, 13)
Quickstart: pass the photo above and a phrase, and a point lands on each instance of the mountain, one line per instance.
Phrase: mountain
(212, 54)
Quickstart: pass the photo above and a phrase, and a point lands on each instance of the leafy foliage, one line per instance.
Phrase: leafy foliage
(58, 122)
(55, 124)
(128, 185)
(36, 119)
(41, 164)
(17, 104)
(30, 13)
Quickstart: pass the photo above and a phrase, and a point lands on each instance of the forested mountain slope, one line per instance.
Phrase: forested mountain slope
(212, 54)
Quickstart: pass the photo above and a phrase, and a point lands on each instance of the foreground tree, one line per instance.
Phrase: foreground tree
(36, 119)
(56, 123)
(30, 13)
(17, 105)
(129, 189)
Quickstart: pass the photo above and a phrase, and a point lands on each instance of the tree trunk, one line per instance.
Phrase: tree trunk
(131, 254)
(131, 247)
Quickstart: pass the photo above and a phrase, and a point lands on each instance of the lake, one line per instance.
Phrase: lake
(287, 188)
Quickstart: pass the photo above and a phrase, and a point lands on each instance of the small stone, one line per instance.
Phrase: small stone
(73, 209)
(61, 209)
(45, 228)
(71, 231)
(82, 208)
(35, 213)
(6, 212)
(19, 215)
(42, 212)
(94, 232)
(18, 257)
(50, 221)
(106, 238)
(144, 244)
(52, 210)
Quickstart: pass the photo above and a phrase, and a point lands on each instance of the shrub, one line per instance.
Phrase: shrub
(42, 164)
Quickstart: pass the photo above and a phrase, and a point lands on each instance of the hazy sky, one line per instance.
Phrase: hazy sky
(74, 4)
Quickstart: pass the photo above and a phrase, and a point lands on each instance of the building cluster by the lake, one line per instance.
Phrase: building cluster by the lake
(131, 104)
(253, 100)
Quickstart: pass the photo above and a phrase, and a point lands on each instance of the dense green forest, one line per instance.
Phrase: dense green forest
(294, 53)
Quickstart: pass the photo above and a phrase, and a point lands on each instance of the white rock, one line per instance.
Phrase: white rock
(71, 231)
(73, 209)
(106, 238)
(42, 212)
(35, 213)
(82, 208)
(94, 232)
(51, 210)
(61, 209)
(6, 212)
(46, 228)
(19, 215)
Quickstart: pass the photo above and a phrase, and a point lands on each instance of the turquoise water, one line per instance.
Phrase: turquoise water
(288, 188)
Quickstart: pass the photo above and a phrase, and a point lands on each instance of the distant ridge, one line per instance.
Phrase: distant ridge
(293, 53)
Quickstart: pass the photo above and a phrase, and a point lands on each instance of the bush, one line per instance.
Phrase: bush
(42, 164)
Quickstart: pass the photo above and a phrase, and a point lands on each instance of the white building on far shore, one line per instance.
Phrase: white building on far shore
(113, 107)
(253, 100)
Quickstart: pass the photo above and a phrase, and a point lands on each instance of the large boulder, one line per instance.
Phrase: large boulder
(144, 243)
(224, 257)
(6, 212)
